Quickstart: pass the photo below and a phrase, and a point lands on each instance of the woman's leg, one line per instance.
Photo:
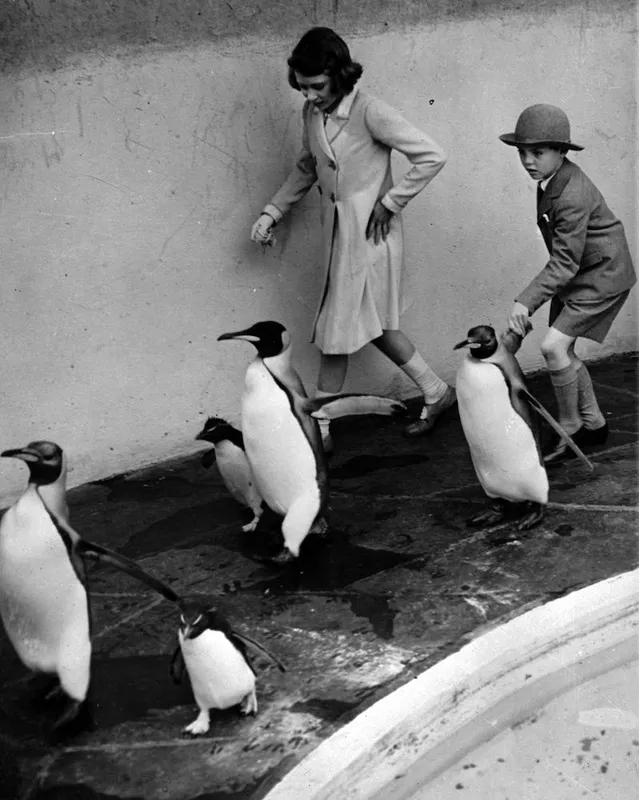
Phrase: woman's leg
(332, 374)
(438, 396)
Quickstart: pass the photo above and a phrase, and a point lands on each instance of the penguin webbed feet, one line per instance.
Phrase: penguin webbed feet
(532, 518)
(528, 514)
(497, 512)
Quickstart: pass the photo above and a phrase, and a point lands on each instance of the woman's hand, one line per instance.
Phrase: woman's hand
(518, 319)
(379, 223)
(262, 231)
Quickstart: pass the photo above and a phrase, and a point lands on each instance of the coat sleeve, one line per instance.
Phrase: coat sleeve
(301, 178)
(427, 158)
(570, 227)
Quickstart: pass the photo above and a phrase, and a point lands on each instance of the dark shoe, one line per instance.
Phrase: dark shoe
(560, 451)
(431, 413)
(589, 437)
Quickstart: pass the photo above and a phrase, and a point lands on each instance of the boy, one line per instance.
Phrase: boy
(587, 277)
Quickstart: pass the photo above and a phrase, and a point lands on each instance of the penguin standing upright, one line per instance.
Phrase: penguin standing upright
(228, 444)
(43, 598)
(282, 438)
(495, 412)
(217, 662)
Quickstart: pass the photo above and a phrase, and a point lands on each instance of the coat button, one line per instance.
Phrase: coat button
(332, 165)
(319, 189)
(332, 197)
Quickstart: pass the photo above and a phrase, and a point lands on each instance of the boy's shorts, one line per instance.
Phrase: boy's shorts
(591, 319)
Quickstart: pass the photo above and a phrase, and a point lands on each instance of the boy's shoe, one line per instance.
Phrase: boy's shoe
(583, 438)
(430, 414)
(591, 436)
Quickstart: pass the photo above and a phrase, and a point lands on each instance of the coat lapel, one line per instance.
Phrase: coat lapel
(316, 124)
(555, 187)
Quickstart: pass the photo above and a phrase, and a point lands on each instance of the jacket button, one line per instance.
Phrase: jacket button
(332, 197)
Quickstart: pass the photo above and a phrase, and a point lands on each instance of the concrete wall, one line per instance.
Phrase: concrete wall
(139, 140)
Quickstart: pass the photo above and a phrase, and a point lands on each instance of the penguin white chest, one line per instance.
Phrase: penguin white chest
(42, 601)
(280, 455)
(236, 473)
(219, 674)
(502, 446)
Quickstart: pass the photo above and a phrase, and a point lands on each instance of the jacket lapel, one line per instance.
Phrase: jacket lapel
(555, 187)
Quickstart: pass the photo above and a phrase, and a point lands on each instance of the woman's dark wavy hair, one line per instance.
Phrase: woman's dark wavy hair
(321, 51)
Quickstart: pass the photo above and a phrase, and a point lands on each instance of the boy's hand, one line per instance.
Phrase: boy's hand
(518, 319)
(262, 231)
(378, 223)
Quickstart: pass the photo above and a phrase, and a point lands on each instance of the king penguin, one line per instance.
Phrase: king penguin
(282, 438)
(217, 662)
(228, 444)
(43, 597)
(495, 409)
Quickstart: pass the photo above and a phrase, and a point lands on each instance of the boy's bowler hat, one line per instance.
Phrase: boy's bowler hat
(541, 124)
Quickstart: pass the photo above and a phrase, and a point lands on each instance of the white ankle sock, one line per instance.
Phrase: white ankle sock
(324, 424)
(431, 386)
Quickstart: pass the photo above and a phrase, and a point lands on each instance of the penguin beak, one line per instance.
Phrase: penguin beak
(459, 345)
(23, 453)
(245, 335)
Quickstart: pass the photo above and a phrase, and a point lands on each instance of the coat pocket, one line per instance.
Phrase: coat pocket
(591, 259)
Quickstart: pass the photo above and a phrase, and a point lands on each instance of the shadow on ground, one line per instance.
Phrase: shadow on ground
(400, 584)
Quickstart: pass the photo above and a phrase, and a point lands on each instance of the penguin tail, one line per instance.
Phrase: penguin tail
(348, 405)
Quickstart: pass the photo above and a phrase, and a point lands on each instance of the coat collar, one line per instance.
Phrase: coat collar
(556, 186)
(341, 114)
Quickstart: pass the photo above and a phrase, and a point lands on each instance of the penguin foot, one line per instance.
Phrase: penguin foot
(251, 526)
(533, 518)
(283, 557)
(249, 704)
(491, 516)
(199, 726)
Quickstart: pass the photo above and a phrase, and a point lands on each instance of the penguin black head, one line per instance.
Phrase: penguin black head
(270, 338)
(194, 620)
(481, 340)
(44, 459)
(215, 430)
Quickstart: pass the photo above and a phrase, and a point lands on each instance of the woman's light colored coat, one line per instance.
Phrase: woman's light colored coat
(351, 161)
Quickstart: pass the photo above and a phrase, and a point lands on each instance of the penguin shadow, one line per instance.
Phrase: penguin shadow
(361, 465)
(328, 561)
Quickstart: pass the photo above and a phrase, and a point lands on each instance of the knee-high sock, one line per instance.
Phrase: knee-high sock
(588, 406)
(565, 385)
(431, 386)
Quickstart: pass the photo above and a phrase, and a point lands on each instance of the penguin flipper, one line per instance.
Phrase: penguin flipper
(247, 639)
(79, 547)
(177, 666)
(557, 428)
(127, 565)
(347, 405)
(219, 622)
(208, 459)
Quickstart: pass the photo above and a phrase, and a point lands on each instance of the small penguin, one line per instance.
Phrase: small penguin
(228, 448)
(217, 662)
(282, 438)
(43, 596)
(501, 431)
